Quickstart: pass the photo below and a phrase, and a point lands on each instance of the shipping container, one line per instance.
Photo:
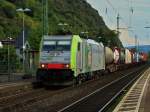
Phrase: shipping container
(143, 57)
(109, 55)
(116, 55)
(122, 56)
(128, 56)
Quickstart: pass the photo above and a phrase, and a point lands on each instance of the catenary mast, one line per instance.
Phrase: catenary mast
(45, 17)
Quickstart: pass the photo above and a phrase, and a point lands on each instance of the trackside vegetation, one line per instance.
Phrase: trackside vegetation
(78, 14)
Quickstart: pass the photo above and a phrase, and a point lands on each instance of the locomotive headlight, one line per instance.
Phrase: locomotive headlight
(67, 65)
(43, 65)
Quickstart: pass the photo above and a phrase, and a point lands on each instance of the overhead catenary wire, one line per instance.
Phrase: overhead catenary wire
(120, 19)
(131, 11)
(107, 15)
(107, 12)
(117, 12)
(111, 5)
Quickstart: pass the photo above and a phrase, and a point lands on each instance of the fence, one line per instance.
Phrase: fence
(31, 62)
(10, 63)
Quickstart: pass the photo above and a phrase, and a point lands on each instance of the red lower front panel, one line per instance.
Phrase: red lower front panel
(55, 66)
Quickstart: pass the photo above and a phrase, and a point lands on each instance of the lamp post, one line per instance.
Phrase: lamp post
(63, 25)
(9, 40)
(23, 27)
(86, 33)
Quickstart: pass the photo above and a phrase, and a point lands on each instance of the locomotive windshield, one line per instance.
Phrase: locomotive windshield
(56, 45)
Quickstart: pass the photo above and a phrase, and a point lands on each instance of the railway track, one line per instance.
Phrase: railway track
(15, 88)
(39, 100)
(55, 103)
(100, 99)
(132, 100)
(18, 101)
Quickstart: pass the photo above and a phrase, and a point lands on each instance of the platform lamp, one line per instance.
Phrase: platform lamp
(85, 33)
(9, 41)
(23, 33)
(63, 25)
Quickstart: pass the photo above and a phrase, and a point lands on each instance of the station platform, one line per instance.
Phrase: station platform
(137, 98)
(145, 103)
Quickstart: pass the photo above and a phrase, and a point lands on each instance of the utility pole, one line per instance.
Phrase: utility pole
(45, 17)
(118, 24)
(137, 48)
(8, 51)
(136, 43)
(23, 34)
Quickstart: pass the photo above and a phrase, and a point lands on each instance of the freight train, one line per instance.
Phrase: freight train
(70, 59)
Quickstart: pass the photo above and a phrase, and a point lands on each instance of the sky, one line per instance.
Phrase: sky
(134, 17)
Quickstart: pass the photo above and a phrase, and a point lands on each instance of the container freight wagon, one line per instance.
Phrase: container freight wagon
(143, 57)
(128, 56)
(135, 57)
(111, 59)
(116, 52)
(122, 56)
(65, 60)
(115, 58)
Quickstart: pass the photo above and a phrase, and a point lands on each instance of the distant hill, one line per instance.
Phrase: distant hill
(78, 14)
(142, 48)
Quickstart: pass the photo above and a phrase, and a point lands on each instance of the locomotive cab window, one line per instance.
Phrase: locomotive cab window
(49, 45)
(57, 45)
(63, 45)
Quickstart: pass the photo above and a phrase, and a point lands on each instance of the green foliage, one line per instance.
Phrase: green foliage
(35, 37)
(14, 61)
(78, 14)
(8, 9)
(109, 38)
(2, 35)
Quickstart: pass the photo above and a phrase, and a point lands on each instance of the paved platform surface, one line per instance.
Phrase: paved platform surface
(137, 98)
(145, 104)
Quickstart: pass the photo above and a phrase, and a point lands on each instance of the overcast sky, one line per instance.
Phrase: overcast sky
(134, 15)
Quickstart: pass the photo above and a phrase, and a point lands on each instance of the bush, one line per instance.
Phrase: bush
(9, 9)
(2, 35)
(14, 61)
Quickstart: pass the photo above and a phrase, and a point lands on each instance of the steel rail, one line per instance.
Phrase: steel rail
(98, 90)
(116, 96)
